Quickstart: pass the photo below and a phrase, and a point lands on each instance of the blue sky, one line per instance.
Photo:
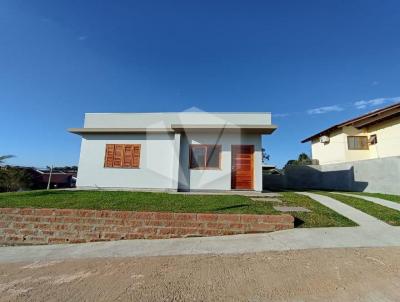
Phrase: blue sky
(311, 63)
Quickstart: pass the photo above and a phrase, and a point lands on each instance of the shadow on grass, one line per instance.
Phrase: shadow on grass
(297, 222)
(232, 207)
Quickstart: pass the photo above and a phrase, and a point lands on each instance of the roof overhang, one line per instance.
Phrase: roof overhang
(260, 129)
(119, 130)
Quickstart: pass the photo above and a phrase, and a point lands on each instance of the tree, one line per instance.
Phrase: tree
(265, 156)
(14, 179)
(303, 159)
(4, 157)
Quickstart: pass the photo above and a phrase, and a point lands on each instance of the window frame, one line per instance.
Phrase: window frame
(207, 147)
(133, 146)
(366, 145)
(373, 139)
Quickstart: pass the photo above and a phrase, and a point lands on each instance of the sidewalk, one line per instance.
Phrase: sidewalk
(382, 202)
(359, 217)
(277, 241)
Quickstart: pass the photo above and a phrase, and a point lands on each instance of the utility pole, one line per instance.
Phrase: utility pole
(48, 183)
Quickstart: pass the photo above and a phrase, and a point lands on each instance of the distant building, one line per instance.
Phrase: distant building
(59, 179)
(372, 135)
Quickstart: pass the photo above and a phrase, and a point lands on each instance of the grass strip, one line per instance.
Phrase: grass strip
(320, 216)
(394, 198)
(383, 213)
(135, 201)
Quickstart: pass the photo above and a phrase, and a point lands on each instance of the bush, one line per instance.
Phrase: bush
(14, 179)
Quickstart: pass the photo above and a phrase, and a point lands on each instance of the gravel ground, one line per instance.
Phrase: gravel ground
(307, 275)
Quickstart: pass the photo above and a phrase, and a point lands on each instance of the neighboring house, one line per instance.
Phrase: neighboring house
(39, 178)
(173, 151)
(372, 135)
(58, 179)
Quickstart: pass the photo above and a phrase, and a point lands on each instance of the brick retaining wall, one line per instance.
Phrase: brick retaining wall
(42, 226)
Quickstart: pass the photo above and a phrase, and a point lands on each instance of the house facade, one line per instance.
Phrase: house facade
(370, 136)
(186, 151)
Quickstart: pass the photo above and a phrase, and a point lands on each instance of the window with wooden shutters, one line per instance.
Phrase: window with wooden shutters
(122, 156)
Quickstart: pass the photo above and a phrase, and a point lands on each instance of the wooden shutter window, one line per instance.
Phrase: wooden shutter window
(128, 156)
(108, 161)
(118, 155)
(122, 156)
(136, 156)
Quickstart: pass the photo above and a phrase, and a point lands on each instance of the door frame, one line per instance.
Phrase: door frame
(251, 163)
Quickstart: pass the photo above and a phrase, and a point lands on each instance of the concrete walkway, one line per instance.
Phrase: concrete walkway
(296, 239)
(382, 202)
(370, 233)
(359, 217)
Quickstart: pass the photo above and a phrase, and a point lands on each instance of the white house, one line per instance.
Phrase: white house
(172, 151)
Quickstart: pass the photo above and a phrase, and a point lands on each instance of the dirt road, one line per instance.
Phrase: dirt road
(308, 275)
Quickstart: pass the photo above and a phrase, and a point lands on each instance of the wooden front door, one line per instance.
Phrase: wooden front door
(242, 177)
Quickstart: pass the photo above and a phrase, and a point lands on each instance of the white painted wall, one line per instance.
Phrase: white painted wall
(218, 179)
(164, 120)
(336, 151)
(388, 134)
(156, 162)
(161, 155)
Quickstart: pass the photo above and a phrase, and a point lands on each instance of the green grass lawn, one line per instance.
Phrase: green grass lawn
(394, 198)
(135, 201)
(320, 216)
(388, 215)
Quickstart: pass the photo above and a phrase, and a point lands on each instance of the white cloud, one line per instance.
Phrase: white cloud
(375, 102)
(82, 38)
(326, 109)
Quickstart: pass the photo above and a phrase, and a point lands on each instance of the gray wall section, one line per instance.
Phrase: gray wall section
(373, 175)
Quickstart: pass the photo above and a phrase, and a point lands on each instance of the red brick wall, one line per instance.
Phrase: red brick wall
(41, 226)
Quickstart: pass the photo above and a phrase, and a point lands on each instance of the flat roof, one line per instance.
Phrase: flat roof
(119, 130)
(158, 122)
(362, 120)
(262, 129)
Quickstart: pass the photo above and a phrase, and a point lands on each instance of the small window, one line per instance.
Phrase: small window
(357, 142)
(205, 156)
(373, 139)
(122, 156)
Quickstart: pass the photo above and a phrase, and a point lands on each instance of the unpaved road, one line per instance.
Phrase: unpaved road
(307, 275)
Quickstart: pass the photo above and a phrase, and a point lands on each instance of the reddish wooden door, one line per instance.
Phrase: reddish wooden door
(242, 177)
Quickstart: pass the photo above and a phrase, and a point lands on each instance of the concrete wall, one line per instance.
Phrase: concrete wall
(373, 175)
(336, 151)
